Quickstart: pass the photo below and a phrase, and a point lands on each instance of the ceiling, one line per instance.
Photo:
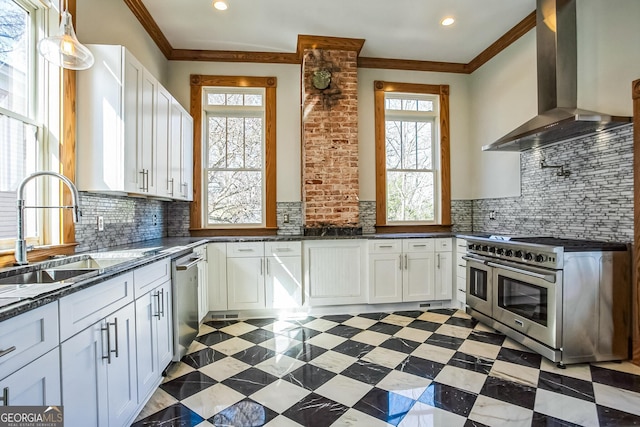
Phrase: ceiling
(394, 29)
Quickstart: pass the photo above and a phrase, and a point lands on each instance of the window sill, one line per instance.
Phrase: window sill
(42, 253)
(213, 232)
(435, 228)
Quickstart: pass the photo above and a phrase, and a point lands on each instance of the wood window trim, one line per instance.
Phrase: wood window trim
(635, 292)
(380, 89)
(198, 82)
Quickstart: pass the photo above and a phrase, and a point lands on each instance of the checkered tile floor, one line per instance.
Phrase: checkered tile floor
(412, 368)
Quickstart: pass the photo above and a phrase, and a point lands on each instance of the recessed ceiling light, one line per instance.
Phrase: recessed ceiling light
(220, 5)
(447, 21)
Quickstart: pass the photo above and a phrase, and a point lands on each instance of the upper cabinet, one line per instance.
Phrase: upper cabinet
(132, 134)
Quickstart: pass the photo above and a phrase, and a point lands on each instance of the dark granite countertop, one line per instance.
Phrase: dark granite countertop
(157, 249)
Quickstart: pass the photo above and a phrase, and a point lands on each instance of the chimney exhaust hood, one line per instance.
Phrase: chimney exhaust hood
(558, 117)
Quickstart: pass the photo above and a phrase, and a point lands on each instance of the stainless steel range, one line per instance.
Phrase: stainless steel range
(568, 300)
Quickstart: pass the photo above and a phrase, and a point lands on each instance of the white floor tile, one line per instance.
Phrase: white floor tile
(354, 418)
(516, 373)
(398, 320)
(320, 325)
(282, 421)
(280, 395)
(344, 390)
(423, 415)
(433, 352)
(280, 365)
(224, 368)
(413, 334)
(238, 329)
(402, 383)
(370, 337)
(232, 346)
(617, 398)
(433, 317)
(566, 408)
(327, 341)
(454, 331)
(279, 343)
(333, 361)
(496, 413)
(476, 348)
(580, 371)
(461, 378)
(385, 357)
(360, 322)
(212, 400)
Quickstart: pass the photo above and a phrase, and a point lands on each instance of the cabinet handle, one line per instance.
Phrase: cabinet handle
(400, 261)
(108, 330)
(5, 396)
(170, 187)
(115, 326)
(7, 351)
(162, 303)
(156, 295)
(142, 182)
(406, 263)
(147, 175)
(419, 246)
(186, 187)
(268, 267)
(245, 250)
(438, 262)
(385, 246)
(261, 265)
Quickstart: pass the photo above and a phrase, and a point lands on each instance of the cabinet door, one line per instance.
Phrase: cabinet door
(166, 186)
(175, 150)
(284, 282)
(245, 283)
(146, 146)
(165, 327)
(444, 275)
(203, 290)
(217, 276)
(121, 371)
(37, 383)
(147, 314)
(133, 178)
(186, 185)
(84, 378)
(418, 277)
(385, 278)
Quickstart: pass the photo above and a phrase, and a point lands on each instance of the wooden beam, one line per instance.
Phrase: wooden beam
(519, 30)
(142, 13)
(635, 324)
(411, 65)
(234, 56)
(68, 144)
(327, 43)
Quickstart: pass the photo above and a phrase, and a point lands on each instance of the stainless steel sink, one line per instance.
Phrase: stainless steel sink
(94, 263)
(45, 276)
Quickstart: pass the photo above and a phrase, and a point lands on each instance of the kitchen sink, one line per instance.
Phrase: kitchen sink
(93, 263)
(45, 276)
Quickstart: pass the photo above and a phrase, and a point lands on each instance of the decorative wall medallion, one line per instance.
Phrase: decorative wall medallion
(321, 79)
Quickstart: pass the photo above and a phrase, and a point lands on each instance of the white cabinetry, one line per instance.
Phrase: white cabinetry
(29, 358)
(245, 276)
(409, 270)
(125, 136)
(181, 153)
(461, 272)
(217, 276)
(203, 287)
(335, 272)
(283, 286)
(99, 362)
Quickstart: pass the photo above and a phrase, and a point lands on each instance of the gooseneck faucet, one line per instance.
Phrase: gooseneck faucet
(21, 244)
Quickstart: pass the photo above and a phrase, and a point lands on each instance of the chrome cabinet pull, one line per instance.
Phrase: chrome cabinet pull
(5, 396)
(162, 303)
(7, 351)
(245, 250)
(156, 295)
(142, 181)
(147, 175)
(419, 246)
(406, 263)
(186, 187)
(400, 261)
(170, 187)
(385, 246)
(115, 326)
(438, 262)
(108, 330)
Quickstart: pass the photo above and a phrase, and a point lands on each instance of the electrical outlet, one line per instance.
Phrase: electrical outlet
(100, 223)
(155, 219)
(492, 215)
(286, 219)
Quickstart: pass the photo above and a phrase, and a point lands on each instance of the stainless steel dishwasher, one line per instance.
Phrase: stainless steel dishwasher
(184, 281)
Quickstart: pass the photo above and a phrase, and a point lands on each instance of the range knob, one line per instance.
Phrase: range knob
(492, 249)
(509, 252)
(470, 246)
(500, 251)
(485, 248)
(478, 247)
(528, 256)
(540, 258)
(518, 254)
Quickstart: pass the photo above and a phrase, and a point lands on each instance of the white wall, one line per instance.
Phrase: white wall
(458, 114)
(112, 22)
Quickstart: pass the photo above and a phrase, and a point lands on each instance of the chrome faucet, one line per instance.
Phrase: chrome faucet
(21, 244)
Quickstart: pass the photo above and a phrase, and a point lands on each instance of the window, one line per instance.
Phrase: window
(234, 147)
(20, 136)
(234, 150)
(412, 156)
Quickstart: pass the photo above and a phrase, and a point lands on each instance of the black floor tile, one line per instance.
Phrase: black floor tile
(510, 392)
(424, 325)
(568, 386)
(219, 324)
(353, 348)
(254, 355)
(373, 316)
(445, 311)
(202, 358)
(384, 328)
(301, 334)
(260, 322)
(542, 420)
(462, 322)
(309, 376)
(445, 341)
(449, 398)
(420, 367)
(413, 313)
(245, 413)
(176, 415)
(612, 417)
(257, 336)
(615, 378)
(305, 352)
(366, 372)
(344, 331)
(471, 363)
(519, 357)
(250, 381)
(384, 405)
(338, 318)
(315, 411)
(472, 423)
(187, 385)
(400, 344)
(487, 337)
(213, 338)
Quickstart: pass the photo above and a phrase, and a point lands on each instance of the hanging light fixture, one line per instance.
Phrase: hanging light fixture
(64, 49)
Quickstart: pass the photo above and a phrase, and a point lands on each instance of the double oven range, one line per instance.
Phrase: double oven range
(568, 300)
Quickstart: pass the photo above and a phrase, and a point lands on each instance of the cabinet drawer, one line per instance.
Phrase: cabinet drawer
(461, 243)
(460, 260)
(82, 309)
(444, 245)
(32, 334)
(245, 249)
(201, 251)
(385, 246)
(461, 271)
(461, 296)
(150, 276)
(418, 245)
(283, 248)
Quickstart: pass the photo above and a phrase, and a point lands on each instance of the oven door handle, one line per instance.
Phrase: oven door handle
(478, 260)
(551, 278)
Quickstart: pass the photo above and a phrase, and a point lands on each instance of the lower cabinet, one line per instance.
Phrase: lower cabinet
(37, 383)
(203, 287)
(154, 338)
(217, 276)
(99, 372)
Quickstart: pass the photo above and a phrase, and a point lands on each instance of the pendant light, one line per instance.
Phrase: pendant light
(64, 49)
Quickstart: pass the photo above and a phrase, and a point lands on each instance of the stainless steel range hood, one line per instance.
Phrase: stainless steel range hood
(558, 117)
